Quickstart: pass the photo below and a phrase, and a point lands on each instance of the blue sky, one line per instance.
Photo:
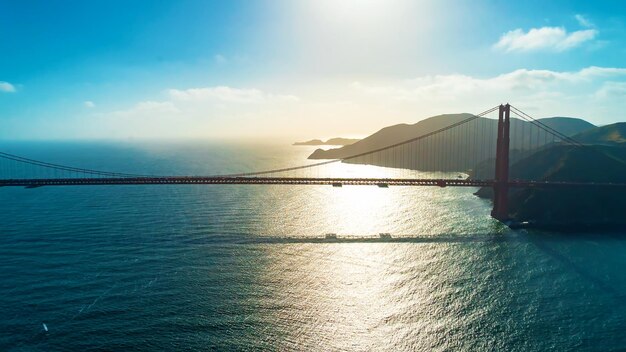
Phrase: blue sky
(309, 68)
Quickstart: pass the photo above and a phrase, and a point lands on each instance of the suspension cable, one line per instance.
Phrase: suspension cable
(65, 168)
(564, 137)
(544, 126)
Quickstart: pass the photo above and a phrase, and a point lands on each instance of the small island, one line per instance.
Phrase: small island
(332, 141)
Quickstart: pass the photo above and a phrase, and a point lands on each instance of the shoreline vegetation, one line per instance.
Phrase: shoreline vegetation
(587, 209)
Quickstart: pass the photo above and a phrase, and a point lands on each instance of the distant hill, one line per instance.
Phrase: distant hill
(451, 143)
(390, 135)
(612, 135)
(608, 135)
(577, 206)
(332, 141)
(311, 142)
(602, 160)
(569, 126)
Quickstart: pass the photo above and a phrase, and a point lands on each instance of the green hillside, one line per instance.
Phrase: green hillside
(610, 134)
(589, 205)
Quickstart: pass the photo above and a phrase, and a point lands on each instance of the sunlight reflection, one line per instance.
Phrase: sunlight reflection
(346, 290)
(340, 290)
(349, 170)
(351, 211)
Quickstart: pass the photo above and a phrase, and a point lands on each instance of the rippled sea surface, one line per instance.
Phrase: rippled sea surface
(246, 267)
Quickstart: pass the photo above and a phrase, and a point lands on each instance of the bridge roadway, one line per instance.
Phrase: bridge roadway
(228, 180)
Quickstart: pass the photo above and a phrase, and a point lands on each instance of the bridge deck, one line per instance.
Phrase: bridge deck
(204, 180)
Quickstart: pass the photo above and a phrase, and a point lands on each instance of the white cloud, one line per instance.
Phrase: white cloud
(228, 94)
(595, 71)
(611, 90)
(146, 108)
(162, 106)
(544, 38)
(583, 21)
(89, 104)
(518, 81)
(6, 87)
(331, 108)
(198, 112)
(595, 93)
(145, 119)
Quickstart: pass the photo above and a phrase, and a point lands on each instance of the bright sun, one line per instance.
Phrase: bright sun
(353, 8)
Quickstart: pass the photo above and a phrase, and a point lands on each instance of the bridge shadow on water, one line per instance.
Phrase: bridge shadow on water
(519, 236)
(585, 273)
(340, 239)
(550, 244)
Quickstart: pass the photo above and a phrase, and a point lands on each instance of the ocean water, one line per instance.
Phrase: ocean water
(245, 267)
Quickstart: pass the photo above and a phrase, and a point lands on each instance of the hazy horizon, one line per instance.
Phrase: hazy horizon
(262, 139)
(296, 70)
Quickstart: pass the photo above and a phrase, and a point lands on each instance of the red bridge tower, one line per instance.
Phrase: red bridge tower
(501, 185)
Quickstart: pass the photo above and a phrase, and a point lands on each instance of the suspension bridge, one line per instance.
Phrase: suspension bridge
(482, 148)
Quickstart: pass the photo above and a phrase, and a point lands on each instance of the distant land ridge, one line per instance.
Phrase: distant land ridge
(614, 134)
(332, 141)
(602, 160)
(402, 132)
(580, 209)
